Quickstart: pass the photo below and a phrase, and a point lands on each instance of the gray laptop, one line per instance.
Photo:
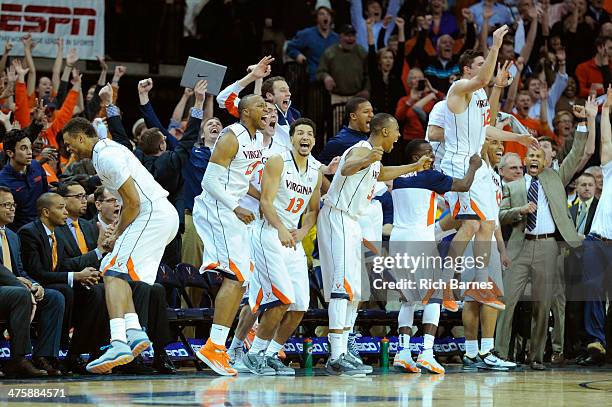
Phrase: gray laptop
(197, 69)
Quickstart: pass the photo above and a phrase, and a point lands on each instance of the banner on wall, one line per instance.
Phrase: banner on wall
(79, 22)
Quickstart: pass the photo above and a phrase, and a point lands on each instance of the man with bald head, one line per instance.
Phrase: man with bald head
(510, 167)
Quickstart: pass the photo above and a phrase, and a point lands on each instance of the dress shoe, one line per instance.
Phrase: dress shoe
(43, 364)
(537, 366)
(76, 365)
(136, 366)
(163, 364)
(20, 367)
(557, 359)
(590, 360)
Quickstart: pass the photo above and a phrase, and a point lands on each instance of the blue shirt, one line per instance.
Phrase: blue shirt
(26, 189)
(429, 179)
(386, 201)
(341, 142)
(193, 173)
(311, 44)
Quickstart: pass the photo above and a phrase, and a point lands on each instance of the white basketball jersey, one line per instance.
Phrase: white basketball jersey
(248, 202)
(437, 117)
(464, 133)
(114, 164)
(413, 207)
(246, 162)
(352, 194)
(602, 221)
(295, 190)
(497, 192)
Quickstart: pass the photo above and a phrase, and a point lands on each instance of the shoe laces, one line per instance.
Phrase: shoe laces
(352, 345)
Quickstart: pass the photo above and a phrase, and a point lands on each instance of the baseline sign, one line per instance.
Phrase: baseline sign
(79, 22)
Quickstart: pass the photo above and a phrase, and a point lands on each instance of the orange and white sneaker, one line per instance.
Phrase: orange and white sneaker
(216, 358)
(448, 302)
(250, 337)
(486, 297)
(427, 361)
(403, 361)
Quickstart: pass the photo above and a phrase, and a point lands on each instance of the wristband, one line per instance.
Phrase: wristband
(582, 128)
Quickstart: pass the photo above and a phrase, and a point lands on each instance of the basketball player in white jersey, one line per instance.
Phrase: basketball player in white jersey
(339, 234)
(414, 210)
(147, 223)
(467, 124)
(222, 223)
(280, 285)
(435, 132)
(597, 256)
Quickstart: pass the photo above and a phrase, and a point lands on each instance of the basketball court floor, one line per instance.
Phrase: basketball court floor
(523, 388)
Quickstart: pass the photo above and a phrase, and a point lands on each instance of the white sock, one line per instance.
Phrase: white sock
(345, 336)
(471, 348)
(236, 343)
(258, 345)
(486, 344)
(335, 345)
(273, 347)
(404, 342)
(428, 341)
(218, 334)
(117, 330)
(131, 321)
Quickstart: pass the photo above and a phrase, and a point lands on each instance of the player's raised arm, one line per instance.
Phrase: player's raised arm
(527, 140)
(359, 158)
(390, 173)
(463, 87)
(269, 187)
(464, 184)
(606, 130)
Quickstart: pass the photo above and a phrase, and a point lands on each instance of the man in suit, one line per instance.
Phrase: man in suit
(535, 205)
(49, 303)
(583, 210)
(44, 258)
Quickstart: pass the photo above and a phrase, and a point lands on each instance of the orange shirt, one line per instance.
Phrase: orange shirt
(536, 128)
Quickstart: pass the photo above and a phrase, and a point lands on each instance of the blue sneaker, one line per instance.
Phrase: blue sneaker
(138, 341)
(117, 353)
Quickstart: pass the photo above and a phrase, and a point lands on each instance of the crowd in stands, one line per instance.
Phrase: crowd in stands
(393, 56)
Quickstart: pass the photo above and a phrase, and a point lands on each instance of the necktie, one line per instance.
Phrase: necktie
(80, 237)
(532, 196)
(53, 251)
(581, 221)
(6, 251)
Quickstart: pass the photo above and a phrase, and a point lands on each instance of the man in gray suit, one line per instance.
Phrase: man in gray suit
(535, 205)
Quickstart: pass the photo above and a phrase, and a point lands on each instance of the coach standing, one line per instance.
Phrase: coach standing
(535, 205)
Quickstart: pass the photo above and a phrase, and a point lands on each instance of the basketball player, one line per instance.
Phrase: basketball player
(147, 223)
(466, 125)
(414, 209)
(280, 286)
(339, 234)
(222, 223)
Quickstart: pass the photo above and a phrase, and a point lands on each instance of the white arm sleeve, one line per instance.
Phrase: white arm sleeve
(211, 184)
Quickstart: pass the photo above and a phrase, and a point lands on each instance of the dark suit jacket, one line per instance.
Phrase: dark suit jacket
(8, 279)
(70, 258)
(15, 249)
(590, 215)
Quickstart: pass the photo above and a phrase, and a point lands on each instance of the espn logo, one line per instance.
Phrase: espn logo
(46, 19)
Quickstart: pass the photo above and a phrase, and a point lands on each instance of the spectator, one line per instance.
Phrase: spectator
(309, 44)
(537, 128)
(500, 15)
(443, 22)
(598, 174)
(385, 71)
(23, 176)
(510, 167)
(359, 113)
(343, 68)
(597, 12)
(554, 93)
(570, 96)
(49, 304)
(594, 75)
(442, 68)
(412, 110)
(382, 27)
(532, 28)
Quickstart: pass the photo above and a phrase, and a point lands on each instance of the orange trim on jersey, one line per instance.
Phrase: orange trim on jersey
(212, 266)
(258, 300)
(432, 212)
(236, 271)
(348, 289)
(456, 209)
(109, 265)
(280, 296)
(230, 106)
(477, 210)
(251, 266)
(369, 245)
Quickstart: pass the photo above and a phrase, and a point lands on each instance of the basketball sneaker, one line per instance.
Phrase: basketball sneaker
(342, 367)
(492, 361)
(358, 363)
(403, 361)
(117, 353)
(248, 340)
(485, 297)
(352, 345)
(236, 362)
(281, 370)
(257, 364)
(427, 361)
(138, 341)
(216, 358)
(472, 364)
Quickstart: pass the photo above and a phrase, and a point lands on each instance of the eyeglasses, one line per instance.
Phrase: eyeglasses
(78, 196)
(8, 205)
